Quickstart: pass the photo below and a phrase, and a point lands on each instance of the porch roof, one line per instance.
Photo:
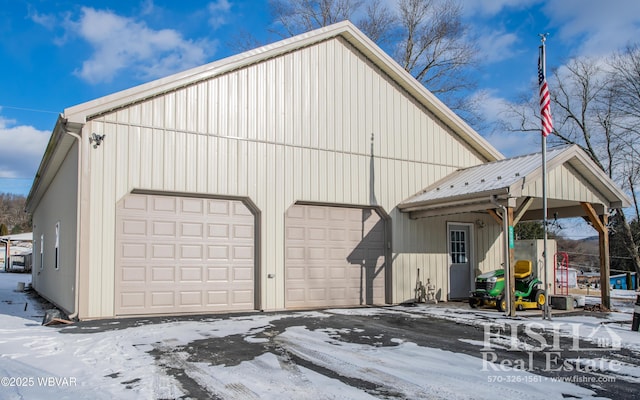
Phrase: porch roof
(572, 178)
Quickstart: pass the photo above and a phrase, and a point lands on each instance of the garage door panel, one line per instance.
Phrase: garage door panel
(242, 297)
(243, 253)
(132, 300)
(192, 206)
(332, 255)
(163, 204)
(137, 203)
(193, 298)
(193, 274)
(163, 299)
(163, 228)
(133, 251)
(190, 251)
(179, 254)
(134, 227)
(163, 274)
(218, 207)
(218, 230)
(215, 297)
(317, 294)
(242, 231)
(163, 251)
(133, 274)
(191, 230)
(218, 274)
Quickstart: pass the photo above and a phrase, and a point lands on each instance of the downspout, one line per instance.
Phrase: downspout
(507, 268)
(76, 300)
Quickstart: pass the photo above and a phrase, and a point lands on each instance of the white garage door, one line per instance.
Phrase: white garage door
(335, 256)
(181, 254)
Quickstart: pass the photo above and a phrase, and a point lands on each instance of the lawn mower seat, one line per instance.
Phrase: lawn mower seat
(522, 269)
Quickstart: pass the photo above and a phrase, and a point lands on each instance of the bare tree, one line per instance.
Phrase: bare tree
(434, 46)
(12, 214)
(426, 37)
(378, 22)
(297, 16)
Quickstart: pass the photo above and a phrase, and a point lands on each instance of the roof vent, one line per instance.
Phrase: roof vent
(517, 173)
(499, 177)
(482, 180)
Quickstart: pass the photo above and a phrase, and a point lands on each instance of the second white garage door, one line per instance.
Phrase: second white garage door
(181, 255)
(334, 256)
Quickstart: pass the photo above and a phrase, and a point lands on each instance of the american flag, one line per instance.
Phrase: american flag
(545, 98)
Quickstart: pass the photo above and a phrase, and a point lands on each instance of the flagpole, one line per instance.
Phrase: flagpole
(546, 310)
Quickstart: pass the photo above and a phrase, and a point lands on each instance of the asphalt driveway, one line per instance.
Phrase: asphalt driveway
(292, 340)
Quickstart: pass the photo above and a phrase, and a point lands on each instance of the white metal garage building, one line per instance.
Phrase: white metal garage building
(268, 180)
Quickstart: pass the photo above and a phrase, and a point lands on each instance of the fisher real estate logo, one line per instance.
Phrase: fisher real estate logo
(552, 347)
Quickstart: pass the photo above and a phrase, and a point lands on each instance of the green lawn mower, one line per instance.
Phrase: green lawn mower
(490, 289)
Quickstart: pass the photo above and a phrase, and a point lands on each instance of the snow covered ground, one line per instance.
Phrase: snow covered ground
(39, 362)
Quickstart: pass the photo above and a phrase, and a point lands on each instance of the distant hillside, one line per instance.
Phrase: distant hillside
(12, 214)
(584, 254)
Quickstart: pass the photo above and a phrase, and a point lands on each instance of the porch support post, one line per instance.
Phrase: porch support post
(600, 224)
(512, 264)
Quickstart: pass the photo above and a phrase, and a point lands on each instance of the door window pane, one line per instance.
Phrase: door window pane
(458, 247)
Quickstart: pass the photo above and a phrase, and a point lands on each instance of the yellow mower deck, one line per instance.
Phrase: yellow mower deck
(520, 304)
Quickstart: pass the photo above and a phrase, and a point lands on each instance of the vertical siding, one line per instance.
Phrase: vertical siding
(293, 128)
(59, 204)
(566, 184)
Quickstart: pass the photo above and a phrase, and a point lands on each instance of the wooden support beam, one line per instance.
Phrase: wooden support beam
(522, 209)
(497, 217)
(593, 217)
(599, 223)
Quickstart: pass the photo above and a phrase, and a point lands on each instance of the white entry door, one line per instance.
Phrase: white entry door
(460, 261)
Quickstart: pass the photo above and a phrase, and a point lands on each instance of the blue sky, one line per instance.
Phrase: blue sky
(59, 53)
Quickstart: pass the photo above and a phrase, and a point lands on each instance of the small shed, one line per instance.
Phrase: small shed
(18, 245)
(627, 281)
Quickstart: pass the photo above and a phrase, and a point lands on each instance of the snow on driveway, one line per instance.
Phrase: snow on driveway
(40, 362)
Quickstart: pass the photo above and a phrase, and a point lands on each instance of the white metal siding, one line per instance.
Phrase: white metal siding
(58, 205)
(422, 245)
(178, 254)
(566, 184)
(297, 127)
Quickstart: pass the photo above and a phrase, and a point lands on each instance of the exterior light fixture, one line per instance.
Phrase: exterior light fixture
(96, 140)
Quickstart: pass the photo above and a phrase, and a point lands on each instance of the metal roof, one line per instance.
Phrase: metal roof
(18, 237)
(506, 179)
(496, 176)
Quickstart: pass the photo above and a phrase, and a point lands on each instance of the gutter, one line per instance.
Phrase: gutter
(452, 201)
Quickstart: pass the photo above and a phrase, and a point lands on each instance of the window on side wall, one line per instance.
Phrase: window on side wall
(57, 260)
(42, 251)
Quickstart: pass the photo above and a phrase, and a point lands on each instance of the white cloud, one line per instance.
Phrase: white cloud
(496, 46)
(21, 148)
(496, 111)
(46, 20)
(489, 8)
(219, 11)
(600, 26)
(147, 7)
(121, 43)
